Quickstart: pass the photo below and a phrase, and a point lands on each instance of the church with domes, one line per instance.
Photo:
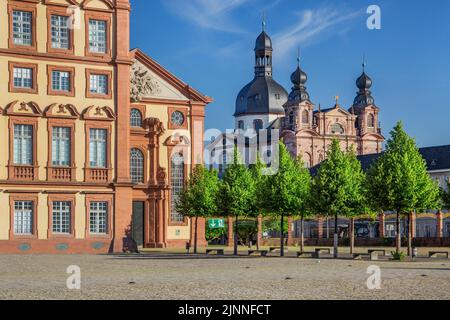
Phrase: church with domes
(306, 130)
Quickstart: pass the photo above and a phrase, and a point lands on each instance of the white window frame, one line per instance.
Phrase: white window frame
(98, 139)
(23, 144)
(97, 36)
(98, 217)
(61, 146)
(136, 166)
(23, 78)
(22, 26)
(61, 81)
(60, 32)
(23, 218)
(98, 84)
(62, 217)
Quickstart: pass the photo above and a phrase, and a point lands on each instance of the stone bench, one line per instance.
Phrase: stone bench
(274, 249)
(318, 251)
(219, 252)
(305, 254)
(262, 253)
(435, 254)
(374, 253)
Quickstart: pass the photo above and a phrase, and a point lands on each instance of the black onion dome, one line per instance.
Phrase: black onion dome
(364, 95)
(263, 42)
(364, 82)
(263, 95)
(299, 79)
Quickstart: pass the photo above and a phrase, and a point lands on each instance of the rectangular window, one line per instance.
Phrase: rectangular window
(61, 219)
(60, 32)
(23, 144)
(98, 84)
(61, 146)
(61, 81)
(21, 27)
(98, 217)
(97, 36)
(23, 78)
(23, 217)
(97, 148)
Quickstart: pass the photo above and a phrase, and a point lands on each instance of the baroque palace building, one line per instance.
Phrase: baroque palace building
(97, 139)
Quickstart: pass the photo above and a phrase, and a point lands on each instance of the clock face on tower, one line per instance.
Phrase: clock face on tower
(177, 118)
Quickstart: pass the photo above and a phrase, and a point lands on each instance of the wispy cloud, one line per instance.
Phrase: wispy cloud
(208, 14)
(310, 28)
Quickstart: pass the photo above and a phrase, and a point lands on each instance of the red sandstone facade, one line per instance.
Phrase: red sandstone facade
(134, 186)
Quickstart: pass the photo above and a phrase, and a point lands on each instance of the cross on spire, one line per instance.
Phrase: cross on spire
(264, 21)
(364, 64)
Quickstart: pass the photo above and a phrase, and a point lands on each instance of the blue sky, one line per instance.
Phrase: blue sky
(209, 44)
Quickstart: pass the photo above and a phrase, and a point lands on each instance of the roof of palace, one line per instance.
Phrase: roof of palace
(437, 158)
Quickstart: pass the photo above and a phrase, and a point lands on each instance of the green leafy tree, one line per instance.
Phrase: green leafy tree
(198, 197)
(337, 188)
(259, 177)
(302, 189)
(399, 181)
(287, 188)
(356, 203)
(236, 193)
(446, 197)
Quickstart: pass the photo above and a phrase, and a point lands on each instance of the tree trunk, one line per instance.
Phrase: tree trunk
(336, 237)
(282, 236)
(410, 235)
(398, 235)
(352, 235)
(259, 236)
(302, 235)
(195, 235)
(236, 235)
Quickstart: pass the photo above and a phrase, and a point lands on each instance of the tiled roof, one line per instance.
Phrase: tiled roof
(437, 158)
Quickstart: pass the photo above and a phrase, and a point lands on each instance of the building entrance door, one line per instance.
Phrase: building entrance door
(137, 225)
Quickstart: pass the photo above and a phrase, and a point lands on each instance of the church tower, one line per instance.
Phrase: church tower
(367, 122)
(261, 101)
(298, 109)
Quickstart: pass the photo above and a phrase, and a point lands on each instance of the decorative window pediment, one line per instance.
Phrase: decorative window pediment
(99, 113)
(30, 109)
(98, 4)
(61, 111)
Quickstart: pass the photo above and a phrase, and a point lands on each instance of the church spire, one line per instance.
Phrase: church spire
(299, 79)
(364, 83)
(263, 53)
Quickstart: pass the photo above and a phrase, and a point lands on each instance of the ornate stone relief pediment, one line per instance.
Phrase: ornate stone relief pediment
(142, 83)
(61, 111)
(23, 109)
(99, 113)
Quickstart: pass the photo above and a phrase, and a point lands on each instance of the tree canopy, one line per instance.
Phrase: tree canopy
(399, 180)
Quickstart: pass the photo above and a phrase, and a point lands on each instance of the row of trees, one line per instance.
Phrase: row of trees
(398, 181)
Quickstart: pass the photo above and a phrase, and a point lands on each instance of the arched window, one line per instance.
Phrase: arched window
(337, 129)
(291, 118)
(177, 184)
(305, 117)
(308, 160)
(135, 118)
(136, 166)
(371, 121)
(241, 125)
(258, 124)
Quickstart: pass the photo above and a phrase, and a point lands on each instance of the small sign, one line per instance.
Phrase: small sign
(216, 223)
